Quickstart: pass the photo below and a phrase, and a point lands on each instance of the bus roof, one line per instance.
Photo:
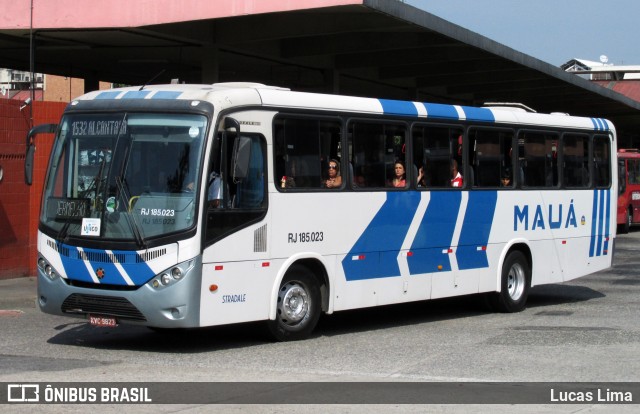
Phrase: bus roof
(226, 95)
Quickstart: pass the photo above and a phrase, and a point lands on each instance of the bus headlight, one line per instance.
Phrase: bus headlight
(46, 268)
(172, 275)
(176, 272)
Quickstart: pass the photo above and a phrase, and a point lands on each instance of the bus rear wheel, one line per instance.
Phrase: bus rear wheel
(515, 284)
(298, 307)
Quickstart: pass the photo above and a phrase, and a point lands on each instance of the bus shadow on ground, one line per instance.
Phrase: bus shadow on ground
(436, 310)
(559, 294)
(140, 338)
(130, 337)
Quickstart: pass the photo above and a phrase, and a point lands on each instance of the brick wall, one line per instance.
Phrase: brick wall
(19, 203)
(62, 88)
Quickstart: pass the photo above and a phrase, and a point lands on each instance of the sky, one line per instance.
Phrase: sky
(554, 31)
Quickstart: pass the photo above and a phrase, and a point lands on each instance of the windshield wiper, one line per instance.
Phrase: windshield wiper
(131, 218)
(62, 235)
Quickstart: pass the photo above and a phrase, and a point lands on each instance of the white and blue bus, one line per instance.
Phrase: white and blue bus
(178, 206)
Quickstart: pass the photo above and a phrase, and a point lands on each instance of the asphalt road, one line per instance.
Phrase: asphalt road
(584, 330)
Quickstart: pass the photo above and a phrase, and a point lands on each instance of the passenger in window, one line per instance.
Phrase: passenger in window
(400, 178)
(505, 180)
(359, 181)
(424, 177)
(456, 177)
(421, 179)
(289, 180)
(334, 180)
(297, 175)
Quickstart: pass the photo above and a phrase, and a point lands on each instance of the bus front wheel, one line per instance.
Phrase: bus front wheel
(515, 284)
(298, 307)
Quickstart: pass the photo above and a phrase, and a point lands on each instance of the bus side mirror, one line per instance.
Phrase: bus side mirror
(31, 148)
(241, 150)
(28, 164)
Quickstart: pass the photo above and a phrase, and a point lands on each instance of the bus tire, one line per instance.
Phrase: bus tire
(298, 307)
(515, 284)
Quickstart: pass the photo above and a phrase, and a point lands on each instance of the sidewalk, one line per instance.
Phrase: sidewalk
(18, 293)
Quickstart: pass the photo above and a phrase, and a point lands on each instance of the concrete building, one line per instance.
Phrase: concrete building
(16, 84)
(622, 79)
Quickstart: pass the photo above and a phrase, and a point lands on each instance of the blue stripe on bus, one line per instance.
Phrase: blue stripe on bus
(166, 95)
(138, 271)
(391, 107)
(107, 95)
(375, 253)
(434, 110)
(433, 238)
(478, 114)
(608, 216)
(600, 223)
(600, 124)
(136, 94)
(471, 252)
(441, 111)
(594, 212)
(73, 267)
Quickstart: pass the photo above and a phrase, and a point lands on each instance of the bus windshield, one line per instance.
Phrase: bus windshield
(124, 176)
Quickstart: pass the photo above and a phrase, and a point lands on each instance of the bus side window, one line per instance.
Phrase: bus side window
(539, 160)
(491, 158)
(433, 149)
(249, 191)
(634, 171)
(622, 177)
(575, 151)
(303, 147)
(375, 149)
(601, 163)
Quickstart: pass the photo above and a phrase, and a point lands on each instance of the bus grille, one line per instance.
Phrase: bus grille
(260, 239)
(102, 305)
(104, 257)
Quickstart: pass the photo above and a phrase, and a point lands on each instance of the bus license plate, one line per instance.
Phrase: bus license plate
(108, 321)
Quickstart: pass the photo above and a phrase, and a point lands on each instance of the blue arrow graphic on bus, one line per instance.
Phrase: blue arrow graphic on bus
(476, 227)
(375, 253)
(433, 239)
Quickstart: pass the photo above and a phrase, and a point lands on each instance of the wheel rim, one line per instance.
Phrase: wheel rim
(293, 304)
(516, 281)
(629, 215)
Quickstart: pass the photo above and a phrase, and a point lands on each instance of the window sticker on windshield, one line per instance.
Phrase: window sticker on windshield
(111, 204)
(90, 227)
(194, 131)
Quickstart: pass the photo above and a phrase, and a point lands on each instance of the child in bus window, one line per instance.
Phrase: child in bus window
(505, 180)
